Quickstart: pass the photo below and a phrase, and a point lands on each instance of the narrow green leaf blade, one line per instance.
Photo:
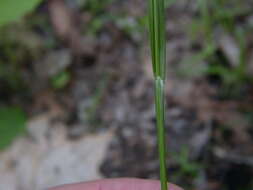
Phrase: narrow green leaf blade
(157, 36)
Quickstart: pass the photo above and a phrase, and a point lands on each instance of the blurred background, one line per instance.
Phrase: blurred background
(76, 93)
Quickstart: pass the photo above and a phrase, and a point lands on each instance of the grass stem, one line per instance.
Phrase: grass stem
(160, 117)
(158, 52)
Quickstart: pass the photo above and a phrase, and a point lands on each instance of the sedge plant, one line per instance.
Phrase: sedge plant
(158, 54)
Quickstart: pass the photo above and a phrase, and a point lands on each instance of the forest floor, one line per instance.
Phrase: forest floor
(85, 79)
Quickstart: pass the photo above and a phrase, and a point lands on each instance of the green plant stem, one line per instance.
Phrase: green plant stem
(158, 51)
(160, 116)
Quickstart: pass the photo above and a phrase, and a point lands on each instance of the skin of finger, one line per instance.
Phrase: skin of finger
(117, 184)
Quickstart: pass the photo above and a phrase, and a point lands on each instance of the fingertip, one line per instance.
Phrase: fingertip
(140, 184)
(174, 187)
(119, 184)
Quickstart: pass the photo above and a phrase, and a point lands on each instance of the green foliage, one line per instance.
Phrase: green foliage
(60, 80)
(187, 169)
(220, 16)
(96, 6)
(17, 46)
(100, 16)
(186, 166)
(233, 78)
(192, 66)
(12, 124)
(12, 10)
(219, 13)
(10, 76)
(158, 53)
(133, 27)
(91, 110)
(168, 3)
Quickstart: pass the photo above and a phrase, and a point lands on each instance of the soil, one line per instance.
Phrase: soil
(209, 138)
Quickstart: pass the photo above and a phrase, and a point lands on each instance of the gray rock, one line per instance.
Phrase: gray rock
(49, 158)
